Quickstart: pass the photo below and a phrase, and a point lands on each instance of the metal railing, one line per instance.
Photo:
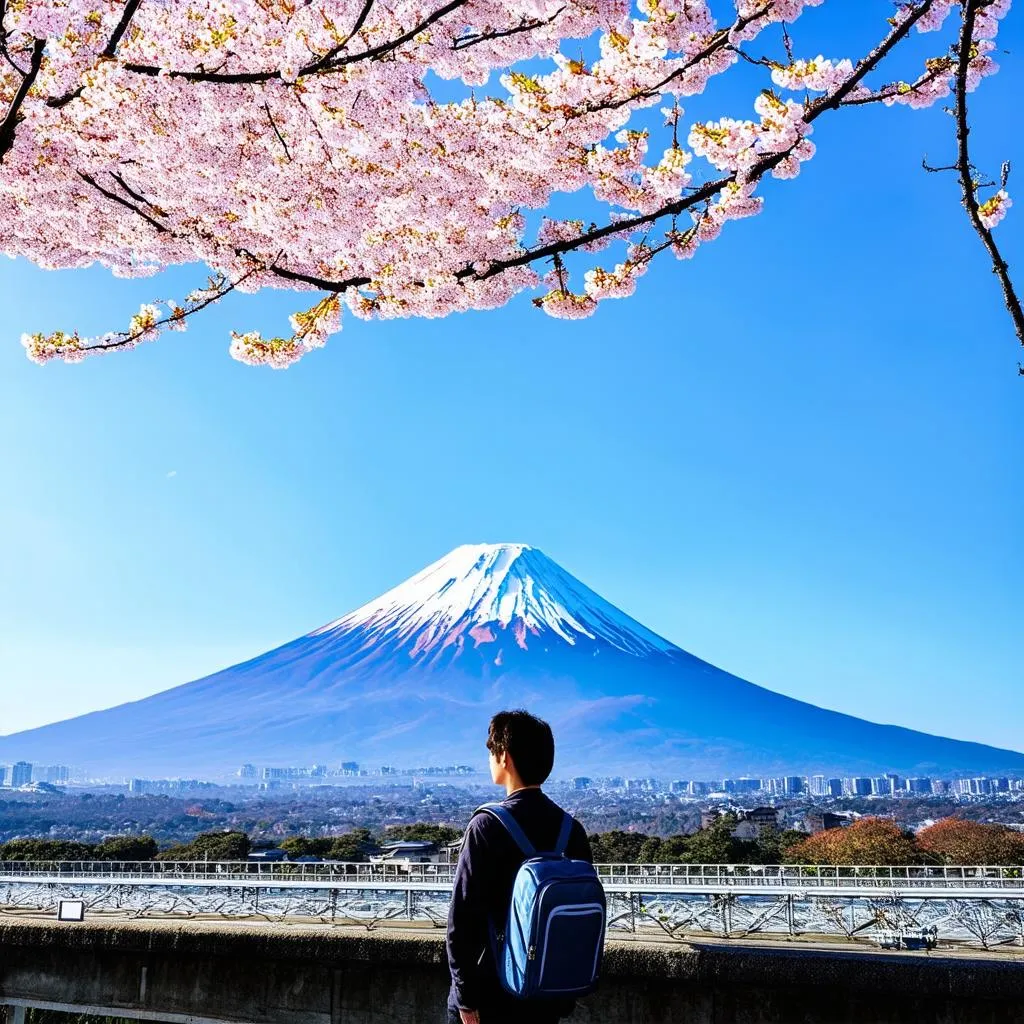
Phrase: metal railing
(440, 876)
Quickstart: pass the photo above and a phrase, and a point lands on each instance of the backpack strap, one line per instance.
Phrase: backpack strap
(511, 825)
(563, 835)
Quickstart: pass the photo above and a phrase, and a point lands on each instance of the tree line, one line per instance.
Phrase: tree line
(868, 840)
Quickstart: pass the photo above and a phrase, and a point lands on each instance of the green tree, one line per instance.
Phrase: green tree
(617, 847)
(210, 846)
(354, 846)
(46, 849)
(304, 846)
(421, 832)
(127, 848)
(674, 850)
(715, 844)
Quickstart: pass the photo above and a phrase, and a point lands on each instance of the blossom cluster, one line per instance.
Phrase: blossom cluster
(305, 146)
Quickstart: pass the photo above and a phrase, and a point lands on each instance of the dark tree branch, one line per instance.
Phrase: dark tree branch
(963, 162)
(280, 138)
(831, 102)
(320, 66)
(464, 42)
(720, 40)
(122, 26)
(14, 114)
(109, 51)
(334, 51)
(223, 287)
(121, 201)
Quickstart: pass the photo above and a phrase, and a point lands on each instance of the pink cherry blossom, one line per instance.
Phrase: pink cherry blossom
(308, 146)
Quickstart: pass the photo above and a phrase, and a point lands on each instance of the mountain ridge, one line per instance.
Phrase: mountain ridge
(411, 677)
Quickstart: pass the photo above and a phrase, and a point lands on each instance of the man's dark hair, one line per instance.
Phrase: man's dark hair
(527, 740)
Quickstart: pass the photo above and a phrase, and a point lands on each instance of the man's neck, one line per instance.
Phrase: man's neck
(516, 787)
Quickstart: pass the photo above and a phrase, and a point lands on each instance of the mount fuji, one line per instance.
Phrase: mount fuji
(412, 677)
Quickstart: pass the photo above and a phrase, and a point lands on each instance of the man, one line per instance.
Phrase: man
(522, 753)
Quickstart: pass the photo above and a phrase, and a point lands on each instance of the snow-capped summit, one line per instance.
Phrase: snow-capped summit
(411, 678)
(478, 591)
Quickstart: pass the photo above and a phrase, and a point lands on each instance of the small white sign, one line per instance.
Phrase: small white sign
(71, 910)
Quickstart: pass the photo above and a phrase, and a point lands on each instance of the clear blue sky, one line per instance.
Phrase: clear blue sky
(798, 456)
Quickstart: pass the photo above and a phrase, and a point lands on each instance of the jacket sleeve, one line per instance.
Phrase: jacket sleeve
(467, 916)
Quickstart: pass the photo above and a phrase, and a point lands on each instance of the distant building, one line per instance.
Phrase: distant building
(581, 782)
(820, 821)
(3, 773)
(835, 787)
(247, 771)
(857, 787)
(21, 774)
(267, 856)
(794, 785)
(919, 786)
(410, 852)
(817, 785)
(753, 823)
(349, 767)
(679, 786)
(55, 774)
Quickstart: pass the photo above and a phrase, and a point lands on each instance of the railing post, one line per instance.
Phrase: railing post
(408, 904)
(791, 913)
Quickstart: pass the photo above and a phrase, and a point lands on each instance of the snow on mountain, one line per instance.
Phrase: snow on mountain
(479, 589)
(411, 678)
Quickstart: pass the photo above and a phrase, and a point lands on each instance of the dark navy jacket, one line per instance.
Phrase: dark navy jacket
(484, 878)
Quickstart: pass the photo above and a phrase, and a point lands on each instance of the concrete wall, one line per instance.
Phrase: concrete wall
(193, 973)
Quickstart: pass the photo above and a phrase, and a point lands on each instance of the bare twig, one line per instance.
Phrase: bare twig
(967, 183)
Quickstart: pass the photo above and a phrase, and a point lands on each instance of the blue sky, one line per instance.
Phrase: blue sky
(798, 456)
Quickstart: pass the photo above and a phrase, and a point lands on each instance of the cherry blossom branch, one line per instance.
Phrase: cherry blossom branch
(941, 66)
(289, 275)
(216, 292)
(319, 66)
(145, 325)
(280, 137)
(117, 35)
(109, 51)
(707, 191)
(115, 198)
(334, 51)
(719, 41)
(527, 25)
(963, 163)
(13, 118)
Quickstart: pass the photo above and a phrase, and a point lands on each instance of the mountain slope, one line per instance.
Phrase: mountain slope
(411, 678)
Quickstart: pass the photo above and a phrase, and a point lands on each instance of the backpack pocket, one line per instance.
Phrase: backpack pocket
(571, 949)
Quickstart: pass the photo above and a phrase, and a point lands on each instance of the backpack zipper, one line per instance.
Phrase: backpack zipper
(531, 953)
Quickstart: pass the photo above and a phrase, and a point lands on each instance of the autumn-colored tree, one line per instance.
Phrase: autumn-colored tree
(866, 841)
(958, 841)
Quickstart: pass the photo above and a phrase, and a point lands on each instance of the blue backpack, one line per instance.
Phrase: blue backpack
(552, 942)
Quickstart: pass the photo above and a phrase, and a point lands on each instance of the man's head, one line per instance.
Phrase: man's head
(521, 746)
